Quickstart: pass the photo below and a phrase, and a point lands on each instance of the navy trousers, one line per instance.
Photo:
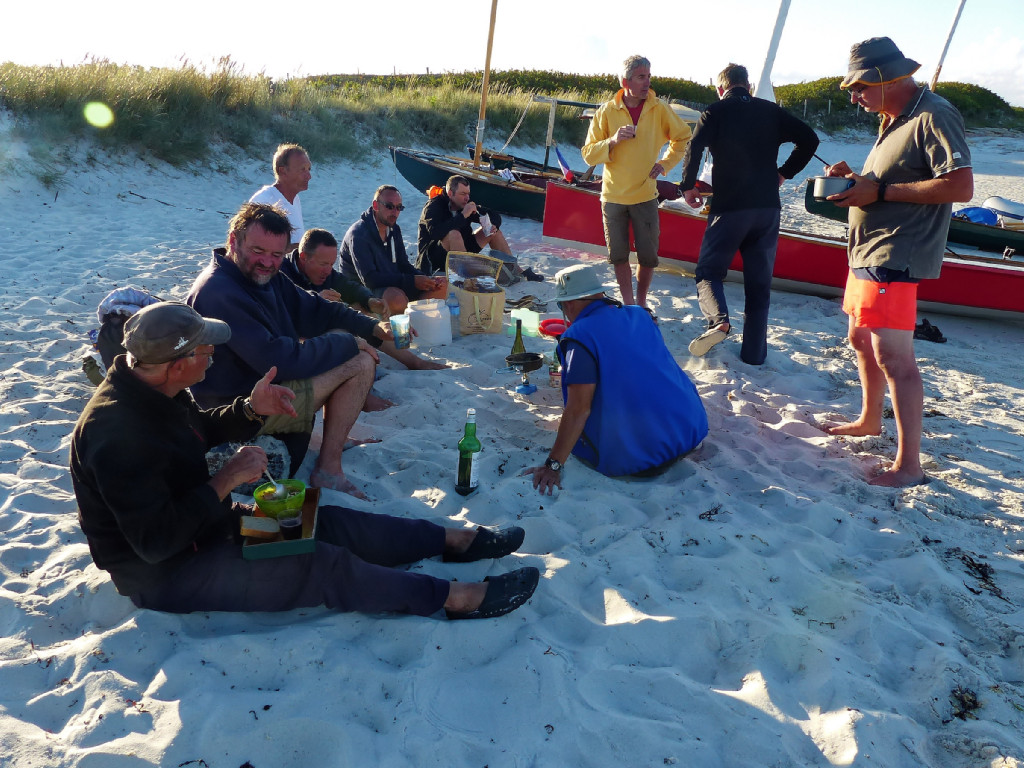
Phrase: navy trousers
(350, 570)
(754, 232)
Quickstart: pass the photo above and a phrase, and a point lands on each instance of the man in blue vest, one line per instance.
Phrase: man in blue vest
(629, 408)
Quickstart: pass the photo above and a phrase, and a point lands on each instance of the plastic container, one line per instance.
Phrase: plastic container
(454, 314)
(431, 320)
(531, 322)
(825, 186)
(286, 507)
(553, 326)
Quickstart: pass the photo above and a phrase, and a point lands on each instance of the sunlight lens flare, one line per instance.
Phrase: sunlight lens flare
(98, 114)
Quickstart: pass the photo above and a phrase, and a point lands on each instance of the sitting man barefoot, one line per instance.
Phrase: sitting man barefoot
(373, 252)
(322, 350)
(311, 266)
(170, 539)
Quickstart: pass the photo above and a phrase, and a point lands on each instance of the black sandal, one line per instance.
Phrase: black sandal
(928, 332)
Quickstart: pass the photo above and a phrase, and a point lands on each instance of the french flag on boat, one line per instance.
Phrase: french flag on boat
(566, 171)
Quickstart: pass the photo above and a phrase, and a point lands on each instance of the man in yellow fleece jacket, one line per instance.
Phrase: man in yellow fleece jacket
(627, 135)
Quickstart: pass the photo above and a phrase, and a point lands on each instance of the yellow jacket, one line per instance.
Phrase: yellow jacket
(626, 178)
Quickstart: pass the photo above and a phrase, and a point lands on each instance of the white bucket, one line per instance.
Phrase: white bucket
(431, 321)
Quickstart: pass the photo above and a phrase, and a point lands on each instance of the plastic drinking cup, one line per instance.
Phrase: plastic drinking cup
(400, 328)
(291, 527)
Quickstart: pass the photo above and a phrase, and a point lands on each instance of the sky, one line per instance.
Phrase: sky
(682, 39)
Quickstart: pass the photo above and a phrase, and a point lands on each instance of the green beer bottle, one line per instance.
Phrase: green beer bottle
(469, 447)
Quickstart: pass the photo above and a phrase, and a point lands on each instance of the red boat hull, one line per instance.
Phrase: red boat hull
(980, 286)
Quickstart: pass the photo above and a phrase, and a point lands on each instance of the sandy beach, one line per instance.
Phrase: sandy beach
(758, 605)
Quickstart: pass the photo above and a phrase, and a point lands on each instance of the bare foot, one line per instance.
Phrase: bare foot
(376, 403)
(335, 481)
(899, 478)
(422, 364)
(465, 597)
(854, 429)
(352, 442)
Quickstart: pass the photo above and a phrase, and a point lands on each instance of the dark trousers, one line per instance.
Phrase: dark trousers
(754, 232)
(350, 570)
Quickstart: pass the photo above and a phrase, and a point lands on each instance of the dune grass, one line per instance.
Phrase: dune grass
(180, 115)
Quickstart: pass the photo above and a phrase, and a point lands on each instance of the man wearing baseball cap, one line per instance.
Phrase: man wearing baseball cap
(170, 536)
(629, 408)
(900, 206)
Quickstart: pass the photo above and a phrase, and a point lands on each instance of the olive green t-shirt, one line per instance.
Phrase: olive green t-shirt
(926, 141)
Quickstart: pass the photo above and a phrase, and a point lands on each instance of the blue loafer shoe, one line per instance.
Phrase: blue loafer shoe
(505, 593)
(489, 545)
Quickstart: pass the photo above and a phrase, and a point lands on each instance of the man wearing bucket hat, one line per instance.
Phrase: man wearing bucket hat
(629, 408)
(899, 211)
(169, 534)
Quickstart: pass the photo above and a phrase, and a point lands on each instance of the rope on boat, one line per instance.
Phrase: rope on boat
(516, 129)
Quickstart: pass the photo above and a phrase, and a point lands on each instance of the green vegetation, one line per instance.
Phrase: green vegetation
(594, 88)
(178, 115)
(823, 105)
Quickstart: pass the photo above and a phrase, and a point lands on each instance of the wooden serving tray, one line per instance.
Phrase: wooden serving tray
(257, 549)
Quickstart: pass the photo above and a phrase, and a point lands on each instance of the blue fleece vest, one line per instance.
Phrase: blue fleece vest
(646, 410)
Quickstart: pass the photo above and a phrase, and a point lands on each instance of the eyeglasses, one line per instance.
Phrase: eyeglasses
(393, 207)
(196, 353)
(857, 92)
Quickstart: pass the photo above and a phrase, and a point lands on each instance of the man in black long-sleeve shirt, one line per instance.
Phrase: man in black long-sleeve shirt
(744, 135)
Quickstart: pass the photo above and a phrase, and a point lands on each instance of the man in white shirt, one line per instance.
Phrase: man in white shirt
(291, 176)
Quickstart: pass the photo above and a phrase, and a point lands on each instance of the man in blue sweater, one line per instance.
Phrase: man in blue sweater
(311, 266)
(373, 252)
(324, 351)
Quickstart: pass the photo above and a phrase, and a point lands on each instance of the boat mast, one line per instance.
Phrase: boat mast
(945, 48)
(481, 120)
(764, 88)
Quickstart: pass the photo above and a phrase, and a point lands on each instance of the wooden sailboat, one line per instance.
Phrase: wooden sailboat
(501, 182)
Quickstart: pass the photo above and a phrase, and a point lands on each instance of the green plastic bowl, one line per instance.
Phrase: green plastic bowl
(286, 507)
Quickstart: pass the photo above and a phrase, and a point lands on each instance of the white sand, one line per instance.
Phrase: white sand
(759, 605)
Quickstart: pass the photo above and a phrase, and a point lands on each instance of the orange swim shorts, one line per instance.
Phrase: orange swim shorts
(880, 305)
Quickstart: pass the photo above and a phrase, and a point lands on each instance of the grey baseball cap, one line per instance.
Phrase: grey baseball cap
(578, 281)
(166, 331)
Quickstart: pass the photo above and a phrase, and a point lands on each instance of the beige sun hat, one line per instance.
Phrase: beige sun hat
(577, 282)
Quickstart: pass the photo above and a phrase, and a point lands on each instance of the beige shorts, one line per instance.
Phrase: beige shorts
(303, 404)
(646, 230)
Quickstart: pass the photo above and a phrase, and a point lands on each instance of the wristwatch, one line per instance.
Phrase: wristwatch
(881, 191)
(552, 464)
(250, 412)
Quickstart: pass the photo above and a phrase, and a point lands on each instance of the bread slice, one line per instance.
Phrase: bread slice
(260, 527)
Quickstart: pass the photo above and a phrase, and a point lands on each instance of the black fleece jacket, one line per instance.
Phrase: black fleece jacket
(744, 135)
(139, 471)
